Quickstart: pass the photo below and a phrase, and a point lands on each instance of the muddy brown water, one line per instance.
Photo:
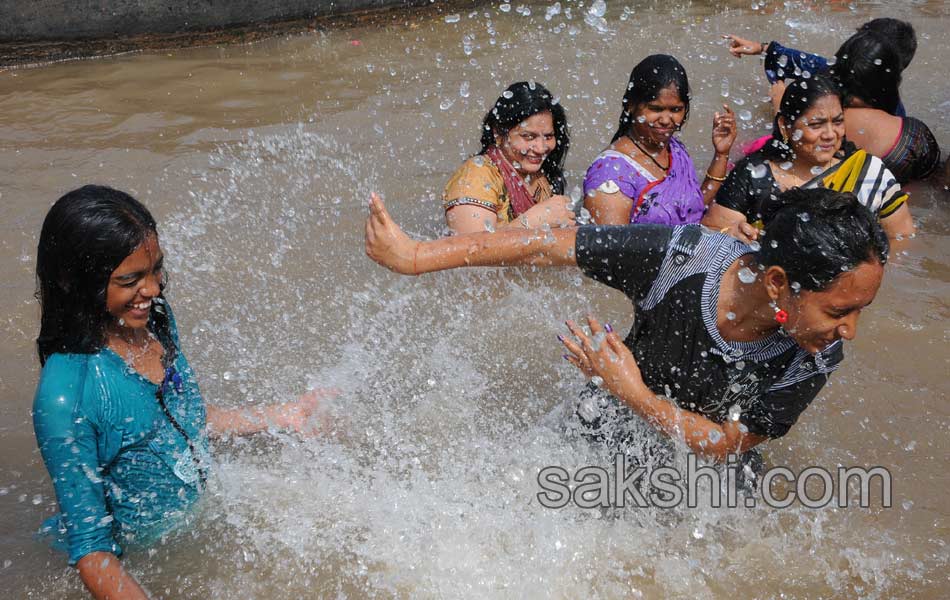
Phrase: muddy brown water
(257, 161)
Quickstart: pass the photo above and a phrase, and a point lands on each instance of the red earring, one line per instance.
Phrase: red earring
(780, 315)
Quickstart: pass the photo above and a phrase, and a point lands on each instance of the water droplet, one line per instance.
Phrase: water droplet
(507, 94)
(758, 171)
(735, 388)
(738, 101)
(817, 170)
(773, 243)
(746, 275)
(804, 216)
(597, 380)
(505, 7)
(714, 436)
(782, 61)
(228, 375)
(724, 88)
(734, 411)
(797, 135)
(489, 226)
(697, 533)
(731, 316)
(463, 89)
(430, 382)
(745, 115)
(740, 364)
(877, 61)
(796, 287)
(598, 8)
(785, 166)
(452, 18)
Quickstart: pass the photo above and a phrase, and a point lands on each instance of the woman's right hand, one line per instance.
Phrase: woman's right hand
(386, 243)
(742, 231)
(556, 211)
(739, 46)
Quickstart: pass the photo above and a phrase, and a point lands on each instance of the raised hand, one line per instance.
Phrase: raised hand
(386, 243)
(724, 130)
(740, 47)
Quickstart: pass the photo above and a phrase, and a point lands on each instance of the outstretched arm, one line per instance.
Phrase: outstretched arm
(104, 577)
(288, 416)
(388, 245)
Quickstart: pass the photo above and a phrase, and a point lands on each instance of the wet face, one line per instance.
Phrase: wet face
(656, 121)
(817, 319)
(134, 284)
(818, 133)
(527, 144)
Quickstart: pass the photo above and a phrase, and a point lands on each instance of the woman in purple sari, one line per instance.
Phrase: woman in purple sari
(646, 174)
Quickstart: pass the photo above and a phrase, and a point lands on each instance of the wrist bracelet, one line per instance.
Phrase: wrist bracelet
(714, 178)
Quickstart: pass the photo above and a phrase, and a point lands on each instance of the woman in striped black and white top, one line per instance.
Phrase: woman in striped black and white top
(808, 149)
(739, 339)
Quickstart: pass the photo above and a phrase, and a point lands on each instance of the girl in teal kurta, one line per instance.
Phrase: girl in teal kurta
(118, 416)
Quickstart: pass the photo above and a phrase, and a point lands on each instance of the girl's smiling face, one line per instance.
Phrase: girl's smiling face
(134, 284)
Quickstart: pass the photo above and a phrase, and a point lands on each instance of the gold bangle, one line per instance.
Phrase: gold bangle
(714, 178)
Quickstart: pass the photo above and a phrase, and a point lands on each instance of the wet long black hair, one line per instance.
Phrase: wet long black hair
(868, 68)
(519, 102)
(800, 95)
(818, 234)
(86, 235)
(900, 34)
(652, 74)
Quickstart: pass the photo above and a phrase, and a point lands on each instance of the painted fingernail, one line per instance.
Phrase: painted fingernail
(560, 338)
(565, 357)
(608, 328)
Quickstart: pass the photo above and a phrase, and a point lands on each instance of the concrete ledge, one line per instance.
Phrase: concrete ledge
(37, 31)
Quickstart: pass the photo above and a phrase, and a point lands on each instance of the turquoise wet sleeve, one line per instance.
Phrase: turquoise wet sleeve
(67, 439)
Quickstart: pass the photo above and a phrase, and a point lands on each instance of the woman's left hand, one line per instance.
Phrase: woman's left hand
(724, 130)
(602, 354)
(298, 416)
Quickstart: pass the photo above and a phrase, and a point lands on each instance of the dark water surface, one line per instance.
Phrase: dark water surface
(257, 161)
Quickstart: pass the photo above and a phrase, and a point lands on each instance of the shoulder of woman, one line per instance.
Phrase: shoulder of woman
(474, 174)
(479, 165)
(62, 385)
(870, 117)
